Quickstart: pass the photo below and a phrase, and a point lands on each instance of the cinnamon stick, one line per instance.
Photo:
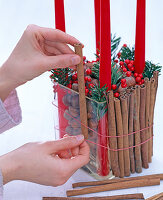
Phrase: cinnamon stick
(114, 186)
(156, 197)
(117, 197)
(117, 180)
(155, 76)
(119, 125)
(147, 108)
(125, 138)
(144, 146)
(151, 114)
(131, 129)
(81, 86)
(138, 162)
(112, 133)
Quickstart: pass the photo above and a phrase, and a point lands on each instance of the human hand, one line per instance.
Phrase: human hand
(49, 163)
(38, 50)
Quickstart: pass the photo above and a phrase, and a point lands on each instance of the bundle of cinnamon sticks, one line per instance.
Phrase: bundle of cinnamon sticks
(130, 120)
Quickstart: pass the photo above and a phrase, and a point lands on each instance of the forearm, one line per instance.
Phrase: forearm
(8, 168)
(6, 84)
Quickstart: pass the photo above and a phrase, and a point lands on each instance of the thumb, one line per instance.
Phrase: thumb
(65, 143)
(62, 61)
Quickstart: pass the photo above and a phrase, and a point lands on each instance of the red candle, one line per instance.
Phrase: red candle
(105, 42)
(97, 24)
(140, 36)
(59, 15)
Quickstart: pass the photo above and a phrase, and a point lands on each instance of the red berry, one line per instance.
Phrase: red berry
(140, 75)
(98, 59)
(91, 85)
(130, 65)
(69, 85)
(142, 81)
(123, 81)
(116, 61)
(128, 74)
(74, 77)
(132, 69)
(75, 81)
(135, 75)
(89, 79)
(114, 87)
(127, 61)
(51, 76)
(125, 45)
(86, 78)
(90, 92)
(119, 54)
(124, 85)
(132, 62)
(124, 69)
(121, 63)
(84, 58)
(116, 95)
(88, 71)
(86, 91)
(138, 79)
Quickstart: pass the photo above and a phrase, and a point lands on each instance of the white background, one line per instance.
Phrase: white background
(36, 96)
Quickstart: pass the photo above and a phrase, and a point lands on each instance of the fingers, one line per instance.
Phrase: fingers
(57, 35)
(74, 151)
(65, 154)
(52, 50)
(61, 61)
(63, 144)
(64, 48)
(80, 160)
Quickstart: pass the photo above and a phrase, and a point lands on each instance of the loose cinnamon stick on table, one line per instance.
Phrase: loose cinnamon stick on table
(131, 129)
(117, 180)
(114, 186)
(138, 162)
(81, 86)
(151, 114)
(117, 197)
(156, 197)
(147, 108)
(112, 132)
(119, 125)
(125, 138)
(144, 147)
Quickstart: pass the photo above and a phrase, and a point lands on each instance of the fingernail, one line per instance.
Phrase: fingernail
(79, 137)
(75, 60)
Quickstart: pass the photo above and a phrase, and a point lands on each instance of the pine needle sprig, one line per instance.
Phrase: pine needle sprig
(127, 53)
(116, 74)
(114, 45)
(62, 76)
(99, 105)
(95, 70)
(150, 68)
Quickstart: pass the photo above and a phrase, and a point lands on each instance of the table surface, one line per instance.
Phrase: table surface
(38, 125)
